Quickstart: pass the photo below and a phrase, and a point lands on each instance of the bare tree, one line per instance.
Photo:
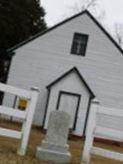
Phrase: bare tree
(118, 33)
(91, 5)
(94, 7)
(81, 5)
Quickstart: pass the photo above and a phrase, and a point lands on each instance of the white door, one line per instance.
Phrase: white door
(70, 104)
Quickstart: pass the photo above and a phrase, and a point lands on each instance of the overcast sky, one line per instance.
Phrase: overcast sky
(57, 10)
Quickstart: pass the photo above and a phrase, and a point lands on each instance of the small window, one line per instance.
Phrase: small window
(79, 44)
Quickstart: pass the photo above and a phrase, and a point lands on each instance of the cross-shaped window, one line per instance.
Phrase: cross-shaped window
(79, 44)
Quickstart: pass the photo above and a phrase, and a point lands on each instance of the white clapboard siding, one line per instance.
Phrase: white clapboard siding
(107, 153)
(12, 112)
(110, 111)
(10, 133)
(14, 90)
(108, 133)
(44, 59)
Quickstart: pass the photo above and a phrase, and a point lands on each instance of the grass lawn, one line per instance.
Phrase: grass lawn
(8, 148)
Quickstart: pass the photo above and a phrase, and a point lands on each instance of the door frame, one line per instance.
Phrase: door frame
(77, 107)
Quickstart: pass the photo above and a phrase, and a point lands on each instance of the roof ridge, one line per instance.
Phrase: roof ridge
(64, 21)
(45, 31)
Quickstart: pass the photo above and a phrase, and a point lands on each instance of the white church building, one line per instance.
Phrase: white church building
(71, 63)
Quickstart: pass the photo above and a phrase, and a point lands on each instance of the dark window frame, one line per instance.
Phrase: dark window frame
(79, 44)
(77, 107)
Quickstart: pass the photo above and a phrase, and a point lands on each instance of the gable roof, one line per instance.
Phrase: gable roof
(74, 69)
(65, 21)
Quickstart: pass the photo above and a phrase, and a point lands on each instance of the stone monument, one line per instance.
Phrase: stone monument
(54, 147)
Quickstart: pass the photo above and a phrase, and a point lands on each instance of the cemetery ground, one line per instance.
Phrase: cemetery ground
(8, 148)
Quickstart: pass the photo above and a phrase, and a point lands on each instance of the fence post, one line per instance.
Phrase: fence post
(90, 133)
(28, 122)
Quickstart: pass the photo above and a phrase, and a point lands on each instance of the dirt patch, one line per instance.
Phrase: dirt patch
(8, 148)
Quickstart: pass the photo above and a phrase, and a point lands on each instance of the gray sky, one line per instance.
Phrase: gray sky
(57, 10)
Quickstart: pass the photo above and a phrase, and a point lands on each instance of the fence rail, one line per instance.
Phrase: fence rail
(26, 115)
(14, 90)
(107, 154)
(10, 133)
(10, 112)
(95, 130)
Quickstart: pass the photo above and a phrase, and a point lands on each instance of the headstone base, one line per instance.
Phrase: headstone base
(55, 153)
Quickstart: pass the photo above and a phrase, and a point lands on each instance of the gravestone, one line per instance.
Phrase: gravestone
(54, 147)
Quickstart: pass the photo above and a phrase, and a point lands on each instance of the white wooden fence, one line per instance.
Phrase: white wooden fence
(26, 116)
(95, 130)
